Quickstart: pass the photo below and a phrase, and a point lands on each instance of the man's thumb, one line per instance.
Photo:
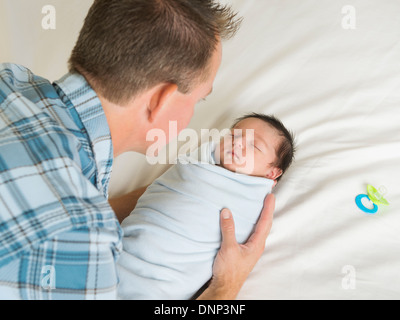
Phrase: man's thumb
(227, 228)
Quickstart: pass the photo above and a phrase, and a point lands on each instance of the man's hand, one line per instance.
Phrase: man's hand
(125, 204)
(234, 261)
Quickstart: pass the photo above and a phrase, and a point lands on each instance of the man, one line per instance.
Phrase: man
(137, 65)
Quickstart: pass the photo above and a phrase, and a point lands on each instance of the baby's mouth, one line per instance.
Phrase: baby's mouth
(234, 156)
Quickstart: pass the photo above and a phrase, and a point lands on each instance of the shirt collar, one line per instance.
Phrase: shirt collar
(88, 106)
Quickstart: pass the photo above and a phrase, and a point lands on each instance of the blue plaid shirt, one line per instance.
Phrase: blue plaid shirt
(59, 238)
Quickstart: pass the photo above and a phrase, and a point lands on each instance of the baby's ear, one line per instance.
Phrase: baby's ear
(275, 173)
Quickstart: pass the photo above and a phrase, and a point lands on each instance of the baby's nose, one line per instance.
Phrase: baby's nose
(240, 146)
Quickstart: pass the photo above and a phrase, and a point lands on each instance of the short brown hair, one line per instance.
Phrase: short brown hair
(286, 150)
(127, 46)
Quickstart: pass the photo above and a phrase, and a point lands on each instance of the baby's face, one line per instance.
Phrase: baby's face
(250, 149)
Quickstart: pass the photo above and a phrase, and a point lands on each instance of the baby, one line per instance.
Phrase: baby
(267, 152)
(172, 236)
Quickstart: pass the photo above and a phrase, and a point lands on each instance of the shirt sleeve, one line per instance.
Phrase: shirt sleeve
(59, 236)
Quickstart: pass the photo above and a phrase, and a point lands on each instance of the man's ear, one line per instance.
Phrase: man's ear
(274, 174)
(160, 98)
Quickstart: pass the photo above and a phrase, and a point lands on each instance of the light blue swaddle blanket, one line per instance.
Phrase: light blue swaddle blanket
(173, 235)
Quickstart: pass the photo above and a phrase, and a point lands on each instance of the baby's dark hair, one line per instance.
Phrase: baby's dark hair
(287, 149)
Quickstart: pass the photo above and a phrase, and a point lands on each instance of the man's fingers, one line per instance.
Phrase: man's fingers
(227, 228)
(264, 223)
(261, 231)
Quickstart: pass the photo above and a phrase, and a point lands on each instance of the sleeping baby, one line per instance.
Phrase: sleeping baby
(173, 235)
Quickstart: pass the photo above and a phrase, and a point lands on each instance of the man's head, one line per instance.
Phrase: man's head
(128, 46)
(150, 62)
(258, 145)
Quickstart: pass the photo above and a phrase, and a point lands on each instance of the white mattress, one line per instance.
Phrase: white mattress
(338, 89)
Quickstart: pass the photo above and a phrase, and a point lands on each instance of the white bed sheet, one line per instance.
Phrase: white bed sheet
(338, 89)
